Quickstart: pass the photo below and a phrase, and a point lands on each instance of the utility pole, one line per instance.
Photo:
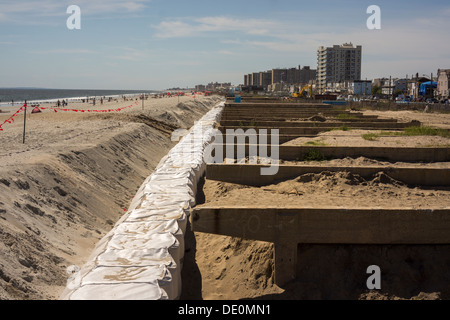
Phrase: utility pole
(24, 121)
(431, 86)
(390, 86)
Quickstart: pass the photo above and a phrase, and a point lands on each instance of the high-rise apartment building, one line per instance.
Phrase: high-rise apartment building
(337, 64)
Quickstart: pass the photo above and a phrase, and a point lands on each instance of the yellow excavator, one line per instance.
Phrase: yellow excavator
(302, 93)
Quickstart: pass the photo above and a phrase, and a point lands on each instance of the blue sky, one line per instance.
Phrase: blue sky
(140, 44)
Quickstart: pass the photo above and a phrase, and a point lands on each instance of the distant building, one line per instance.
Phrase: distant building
(200, 88)
(414, 86)
(265, 79)
(213, 86)
(279, 76)
(255, 79)
(338, 64)
(218, 86)
(362, 87)
(443, 83)
(306, 74)
(389, 85)
(401, 85)
(268, 80)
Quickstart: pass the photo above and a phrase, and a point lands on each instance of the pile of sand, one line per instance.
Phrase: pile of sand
(367, 162)
(75, 176)
(327, 189)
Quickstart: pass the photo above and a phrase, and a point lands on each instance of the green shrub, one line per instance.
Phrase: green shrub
(314, 155)
(425, 131)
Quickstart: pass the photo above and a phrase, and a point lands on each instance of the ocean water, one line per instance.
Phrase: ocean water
(17, 96)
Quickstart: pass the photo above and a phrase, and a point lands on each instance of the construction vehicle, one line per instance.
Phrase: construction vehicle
(303, 92)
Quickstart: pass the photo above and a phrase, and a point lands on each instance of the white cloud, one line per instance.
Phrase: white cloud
(66, 51)
(103, 6)
(199, 26)
(3, 17)
(130, 54)
(175, 29)
(20, 10)
(227, 52)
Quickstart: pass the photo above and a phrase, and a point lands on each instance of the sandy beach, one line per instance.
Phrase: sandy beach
(75, 176)
(70, 182)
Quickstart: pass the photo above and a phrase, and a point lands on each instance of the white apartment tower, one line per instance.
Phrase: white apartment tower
(338, 64)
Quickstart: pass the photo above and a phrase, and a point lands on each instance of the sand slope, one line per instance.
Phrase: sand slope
(66, 187)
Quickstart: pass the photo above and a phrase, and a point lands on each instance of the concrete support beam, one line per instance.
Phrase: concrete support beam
(403, 154)
(276, 116)
(283, 113)
(287, 227)
(272, 104)
(357, 123)
(298, 130)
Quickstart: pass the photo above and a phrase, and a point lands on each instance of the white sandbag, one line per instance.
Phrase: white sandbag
(169, 182)
(177, 214)
(178, 174)
(147, 227)
(136, 258)
(121, 291)
(164, 204)
(177, 189)
(142, 258)
(118, 275)
(104, 275)
(153, 241)
(162, 201)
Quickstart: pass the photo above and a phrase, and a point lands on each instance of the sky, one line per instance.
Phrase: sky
(160, 44)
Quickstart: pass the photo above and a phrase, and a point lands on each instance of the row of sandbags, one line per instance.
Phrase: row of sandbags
(142, 257)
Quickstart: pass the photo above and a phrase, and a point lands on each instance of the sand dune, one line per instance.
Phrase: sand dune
(65, 188)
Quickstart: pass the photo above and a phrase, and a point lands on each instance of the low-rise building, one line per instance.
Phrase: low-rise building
(401, 85)
(362, 87)
(443, 83)
(200, 88)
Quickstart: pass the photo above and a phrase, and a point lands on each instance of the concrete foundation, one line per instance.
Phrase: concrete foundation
(288, 227)
(297, 153)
